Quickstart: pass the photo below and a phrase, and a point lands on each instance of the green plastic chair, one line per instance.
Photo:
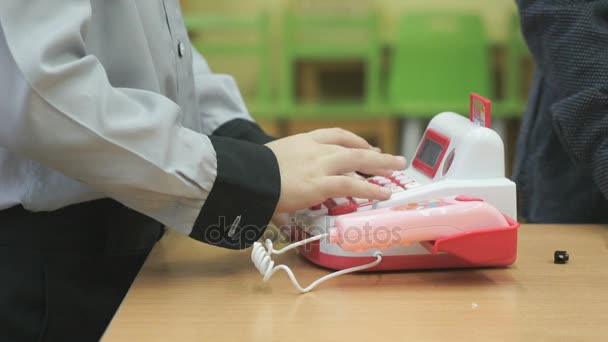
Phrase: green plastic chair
(322, 37)
(439, 60)
(514, 101)
(261, 103)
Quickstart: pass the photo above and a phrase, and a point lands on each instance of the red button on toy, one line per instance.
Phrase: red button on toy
(340, 206)
(463, 198)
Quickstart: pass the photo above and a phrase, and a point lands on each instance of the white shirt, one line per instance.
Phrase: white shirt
(97, 100)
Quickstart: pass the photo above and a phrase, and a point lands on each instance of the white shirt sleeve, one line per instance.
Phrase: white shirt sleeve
(126, 143)
(219, 99)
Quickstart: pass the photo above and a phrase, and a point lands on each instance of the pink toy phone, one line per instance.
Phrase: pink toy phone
(458, 231)
(414, 222)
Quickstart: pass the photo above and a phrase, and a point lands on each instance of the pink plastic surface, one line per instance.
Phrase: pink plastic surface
(414, 222)
(489, 247)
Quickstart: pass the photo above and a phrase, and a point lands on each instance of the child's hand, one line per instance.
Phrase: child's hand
(315, 166)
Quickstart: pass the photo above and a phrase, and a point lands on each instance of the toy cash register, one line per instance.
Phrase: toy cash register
(453, 207)
(457, 156)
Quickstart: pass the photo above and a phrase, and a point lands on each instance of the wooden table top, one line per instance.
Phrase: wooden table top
(188, 291)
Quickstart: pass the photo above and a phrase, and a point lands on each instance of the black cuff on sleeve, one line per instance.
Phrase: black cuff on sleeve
(244, 196)
(242, 129)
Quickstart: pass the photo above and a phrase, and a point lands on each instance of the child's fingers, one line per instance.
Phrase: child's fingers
(338, 136)
(355, 175)
(364, 161)
(343, 186)
(377, 172)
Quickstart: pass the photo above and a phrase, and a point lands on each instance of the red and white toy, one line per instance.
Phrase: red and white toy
(452, 207)
(456, 156)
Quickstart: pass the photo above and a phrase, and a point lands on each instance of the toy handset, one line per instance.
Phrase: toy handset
(382, 228)
(414, 222)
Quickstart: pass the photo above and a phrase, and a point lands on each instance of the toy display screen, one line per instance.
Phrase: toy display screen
(429, 152)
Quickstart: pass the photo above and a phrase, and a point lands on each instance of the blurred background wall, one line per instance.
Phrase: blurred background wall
(381, 68)
(494, 12)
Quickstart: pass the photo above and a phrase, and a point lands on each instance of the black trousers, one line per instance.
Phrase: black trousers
(64, 273)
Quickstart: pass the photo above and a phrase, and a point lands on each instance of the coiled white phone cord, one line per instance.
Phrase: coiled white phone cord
(262, 259)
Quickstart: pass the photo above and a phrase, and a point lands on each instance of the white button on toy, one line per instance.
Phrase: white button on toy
(361, 200)
(341, 201)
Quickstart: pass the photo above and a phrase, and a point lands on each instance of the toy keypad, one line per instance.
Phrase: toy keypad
(398, 181)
